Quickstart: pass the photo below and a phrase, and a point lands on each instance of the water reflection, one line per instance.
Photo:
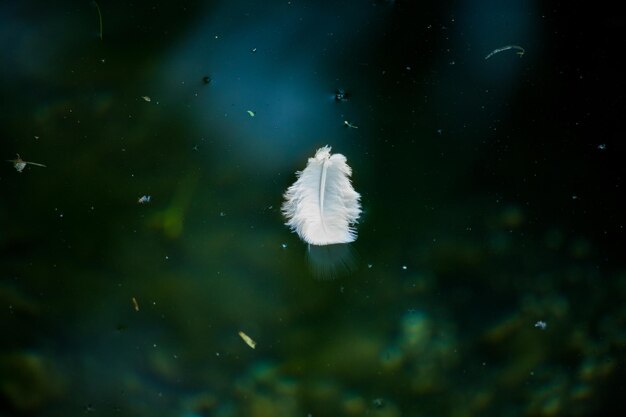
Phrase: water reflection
(331, 261)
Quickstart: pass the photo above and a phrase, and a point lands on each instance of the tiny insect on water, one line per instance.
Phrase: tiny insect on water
(19, 164)
(341, 95)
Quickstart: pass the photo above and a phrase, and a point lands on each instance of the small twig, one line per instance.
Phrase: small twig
(520, 50)
(99, 16)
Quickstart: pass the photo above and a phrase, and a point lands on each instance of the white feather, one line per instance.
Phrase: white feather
(322, 206)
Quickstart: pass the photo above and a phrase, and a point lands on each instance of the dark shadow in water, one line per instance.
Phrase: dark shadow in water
(331, 261)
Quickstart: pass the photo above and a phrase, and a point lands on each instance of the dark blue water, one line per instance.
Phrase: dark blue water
(488, 275)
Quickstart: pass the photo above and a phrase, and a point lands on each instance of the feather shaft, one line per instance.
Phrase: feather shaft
(322, 189)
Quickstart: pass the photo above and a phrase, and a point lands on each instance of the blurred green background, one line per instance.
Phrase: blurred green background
(491, 192)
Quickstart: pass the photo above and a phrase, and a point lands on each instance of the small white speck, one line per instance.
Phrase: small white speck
(283, 245)
(404, 267)
(602, 146)
(541, 325)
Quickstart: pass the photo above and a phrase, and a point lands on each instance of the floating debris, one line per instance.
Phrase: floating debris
(247, 339)
(602, 146)
(378, 403)
(541, 325)
(206, 79)
(146, 98)
(144, 199)
(19, 164)
(520, 50)
(251, 113)
(135, 304)
(350, 125)
(253, 50)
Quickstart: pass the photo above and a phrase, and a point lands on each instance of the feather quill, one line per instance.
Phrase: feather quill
(322, 207)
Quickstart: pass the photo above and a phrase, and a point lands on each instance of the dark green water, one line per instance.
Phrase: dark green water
(491, 193)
